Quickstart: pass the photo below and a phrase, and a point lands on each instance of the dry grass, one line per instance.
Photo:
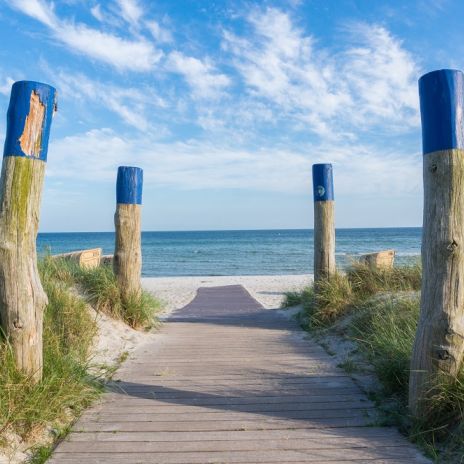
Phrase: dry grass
(26, 408)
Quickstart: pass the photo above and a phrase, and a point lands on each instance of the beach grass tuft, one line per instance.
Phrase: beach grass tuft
(100, 288)
(332, 298)
(69, 330)
(367, 281)
(379, 309)
(26, 408)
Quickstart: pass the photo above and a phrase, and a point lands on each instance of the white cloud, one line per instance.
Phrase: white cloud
(123, 54)
(38, 10)
(130, 104)
(200, 164)
(96, 12)
(5, 87)
(131, 11)
(372, 81)
(204, 80)
(159, 33)
(382, 76)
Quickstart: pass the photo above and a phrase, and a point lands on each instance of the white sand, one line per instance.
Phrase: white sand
(115, 338)
(176, 292)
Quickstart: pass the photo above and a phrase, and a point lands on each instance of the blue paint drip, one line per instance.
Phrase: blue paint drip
(442, 104)
(323, 182)
(129, 185)
(18, 111)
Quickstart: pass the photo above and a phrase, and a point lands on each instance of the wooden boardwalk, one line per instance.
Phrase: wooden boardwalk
(231, 382)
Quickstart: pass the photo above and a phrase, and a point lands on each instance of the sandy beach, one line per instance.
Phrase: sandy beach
(269, 290)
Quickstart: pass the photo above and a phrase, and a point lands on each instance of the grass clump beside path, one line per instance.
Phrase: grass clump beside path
(100, 287)
(66, 389)
(344, 293)
(69, 331)
(379, 310)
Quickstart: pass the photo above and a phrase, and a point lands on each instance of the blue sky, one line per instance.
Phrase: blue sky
(227, 104)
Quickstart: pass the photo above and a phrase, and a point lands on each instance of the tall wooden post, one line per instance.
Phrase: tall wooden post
(22, 298)
(439, 343)
(127, 220)
(324, 222)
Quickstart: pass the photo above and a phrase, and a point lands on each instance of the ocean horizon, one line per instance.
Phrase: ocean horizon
(240, 252)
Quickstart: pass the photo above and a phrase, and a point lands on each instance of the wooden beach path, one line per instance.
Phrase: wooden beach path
(228, 381)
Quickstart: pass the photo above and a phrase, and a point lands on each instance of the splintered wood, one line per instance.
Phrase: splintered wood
(31, 138)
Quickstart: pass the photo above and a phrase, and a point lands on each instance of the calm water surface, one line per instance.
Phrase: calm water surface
(240, 252)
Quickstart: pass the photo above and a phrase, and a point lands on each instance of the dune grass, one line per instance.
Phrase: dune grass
(344, 293)
(66, 389)
(101, 290)
(383, 308)
(69, 331)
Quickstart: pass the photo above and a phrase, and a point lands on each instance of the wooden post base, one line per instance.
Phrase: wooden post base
(22, 298)
(439, 343)
(127, 263)
(324, 239)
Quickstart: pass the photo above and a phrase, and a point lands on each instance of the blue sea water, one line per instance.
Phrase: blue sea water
(240, 252)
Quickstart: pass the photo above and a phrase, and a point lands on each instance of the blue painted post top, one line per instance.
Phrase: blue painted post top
(23, 135)
(129, 185)
(441, 105)
(323, 182)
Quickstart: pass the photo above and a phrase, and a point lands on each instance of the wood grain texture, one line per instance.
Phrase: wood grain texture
(86, 259)
(127, 262)
(324, 239)
(254, 397)
(22, 298)
(439, 343)
(381, 259)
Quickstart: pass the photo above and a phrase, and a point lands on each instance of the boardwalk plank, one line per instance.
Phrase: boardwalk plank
(230, 382)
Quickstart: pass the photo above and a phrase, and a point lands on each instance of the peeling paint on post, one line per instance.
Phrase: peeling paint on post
(439, 343)
(22, 298)
(324, 224)
(127, 262)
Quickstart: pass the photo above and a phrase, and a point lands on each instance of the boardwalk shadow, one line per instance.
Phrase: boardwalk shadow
(283, 389)
(330, 400)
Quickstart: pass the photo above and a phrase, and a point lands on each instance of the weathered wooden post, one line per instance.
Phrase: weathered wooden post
(439, 343)
(22, 298)
(324, 222)
(127, 262)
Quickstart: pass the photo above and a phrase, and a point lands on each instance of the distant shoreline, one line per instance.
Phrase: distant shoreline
(229, 230)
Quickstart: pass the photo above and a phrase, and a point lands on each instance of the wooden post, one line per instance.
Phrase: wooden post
(127, 261)
(439, 343)
(22, 298)
(324, 223)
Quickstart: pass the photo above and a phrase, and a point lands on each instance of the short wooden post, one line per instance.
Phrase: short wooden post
(439, 343)
(127, 261)
(22, 298)
(324, 222)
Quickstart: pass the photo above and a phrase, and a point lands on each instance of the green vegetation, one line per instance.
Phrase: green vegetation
(66, 388)
(344, 293)
(101, 290)
(69, 330)
(379, 309)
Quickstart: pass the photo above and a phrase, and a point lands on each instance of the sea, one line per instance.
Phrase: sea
(240, 252)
